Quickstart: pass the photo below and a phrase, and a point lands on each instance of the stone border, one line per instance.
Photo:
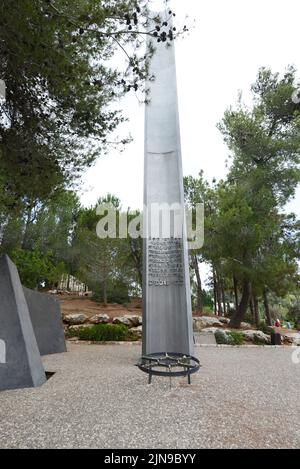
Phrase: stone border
(106, 342)
(245, 346)
(139, 342)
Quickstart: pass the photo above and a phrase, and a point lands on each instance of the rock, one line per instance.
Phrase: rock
(222, 337)
(134, 319)
(122, 320)
(78, 318)
(99, 319)
(212, 329)
(201, 322)
(253, 335)
(138, 331)
(79, 326)
(245, 325)
(224, 320)
(291, 338)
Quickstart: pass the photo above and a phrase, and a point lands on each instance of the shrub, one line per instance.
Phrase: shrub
(117, 292)
(237, 338)
(103, 332)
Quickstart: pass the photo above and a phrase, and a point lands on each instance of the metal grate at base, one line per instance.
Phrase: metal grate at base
(169, 364)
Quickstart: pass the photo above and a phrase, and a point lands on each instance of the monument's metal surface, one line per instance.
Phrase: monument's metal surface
(167, 316)
(21, 365)
(47, 322)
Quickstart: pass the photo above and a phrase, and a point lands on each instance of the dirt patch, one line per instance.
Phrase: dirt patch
(70, 305)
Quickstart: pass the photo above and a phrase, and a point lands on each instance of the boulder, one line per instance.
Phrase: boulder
(138, 331)
(222, 337)
(224, 320)
(291, 338)
(134, 319)
(122, 320)
(79, 326)
(245, 325)
(76, 318)
(201, 322)
(99, 319)
(212, 329)
(252, 335)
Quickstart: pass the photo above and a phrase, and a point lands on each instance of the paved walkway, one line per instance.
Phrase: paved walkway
(242, 397)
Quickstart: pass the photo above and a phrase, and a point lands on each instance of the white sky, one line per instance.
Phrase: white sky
(231, 39)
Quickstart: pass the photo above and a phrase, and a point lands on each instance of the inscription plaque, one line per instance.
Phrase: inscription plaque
(165, 262)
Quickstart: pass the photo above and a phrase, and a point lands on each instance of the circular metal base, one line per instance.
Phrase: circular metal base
(169, 364)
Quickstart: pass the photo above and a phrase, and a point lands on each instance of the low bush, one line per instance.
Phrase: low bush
(237, 338)
(229, 338)
(104, 332)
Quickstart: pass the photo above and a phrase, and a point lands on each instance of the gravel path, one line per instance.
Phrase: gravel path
(242, 397)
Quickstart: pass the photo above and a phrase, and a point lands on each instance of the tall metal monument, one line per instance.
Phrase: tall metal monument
(167, 315)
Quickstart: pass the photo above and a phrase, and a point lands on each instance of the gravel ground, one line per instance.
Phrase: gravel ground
(241, 397)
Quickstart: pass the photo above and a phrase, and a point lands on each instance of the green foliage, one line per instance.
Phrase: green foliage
(248, 237)
(293, 314)
(103, 332)
(117, 292)
(207, 300)
(35, 267)
(237, 338)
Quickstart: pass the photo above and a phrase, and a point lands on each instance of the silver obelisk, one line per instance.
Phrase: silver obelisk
(167, 315)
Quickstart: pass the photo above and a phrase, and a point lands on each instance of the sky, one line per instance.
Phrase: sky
(229, 40)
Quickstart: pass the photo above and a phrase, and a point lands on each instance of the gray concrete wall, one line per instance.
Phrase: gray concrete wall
(46, 321)
(22, 365)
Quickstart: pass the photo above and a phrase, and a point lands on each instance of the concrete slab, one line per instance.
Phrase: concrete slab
(205, 338)
(46, 321)
(20, 365)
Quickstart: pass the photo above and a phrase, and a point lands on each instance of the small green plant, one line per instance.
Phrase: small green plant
(237, 338)
(103, 333)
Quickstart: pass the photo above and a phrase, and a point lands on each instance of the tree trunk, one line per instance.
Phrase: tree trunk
(256, 310)
(238, 317)
(251, 305)
(215, 291)
(199, 284)
(267, 309)
(104, 292)
(219, 295)
(223, 297)
(235, 289)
